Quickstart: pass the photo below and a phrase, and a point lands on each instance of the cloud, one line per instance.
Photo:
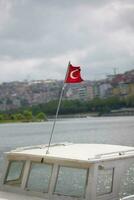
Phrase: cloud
(42, 36)
(12, 69)
(5, 8)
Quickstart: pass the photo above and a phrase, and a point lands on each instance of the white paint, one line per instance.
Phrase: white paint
(99, 155)
(72, 74)
(13, 196)
(81, 152)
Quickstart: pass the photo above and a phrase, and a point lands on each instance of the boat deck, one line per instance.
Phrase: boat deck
(14, 196)
(79, 152)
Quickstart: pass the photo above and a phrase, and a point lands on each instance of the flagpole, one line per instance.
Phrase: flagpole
(57, 111)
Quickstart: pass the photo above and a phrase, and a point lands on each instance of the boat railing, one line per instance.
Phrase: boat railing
(117, 153)
(131, 197)
(42, 146)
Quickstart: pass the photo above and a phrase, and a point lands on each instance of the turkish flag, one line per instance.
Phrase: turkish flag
(73, 75)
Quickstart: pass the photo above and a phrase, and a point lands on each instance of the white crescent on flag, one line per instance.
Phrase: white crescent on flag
(72, 74)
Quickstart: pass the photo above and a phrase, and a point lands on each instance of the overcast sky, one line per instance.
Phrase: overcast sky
(39, 37)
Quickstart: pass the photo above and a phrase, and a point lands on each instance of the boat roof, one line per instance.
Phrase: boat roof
(77, 152)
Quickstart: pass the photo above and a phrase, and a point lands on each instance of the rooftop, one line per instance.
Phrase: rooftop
(74, 152)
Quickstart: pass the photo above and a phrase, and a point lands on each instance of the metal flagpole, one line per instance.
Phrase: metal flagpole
(56, 116)
(57, 111)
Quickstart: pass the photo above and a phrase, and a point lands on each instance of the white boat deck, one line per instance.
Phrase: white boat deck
(81, 152)
(14, 196)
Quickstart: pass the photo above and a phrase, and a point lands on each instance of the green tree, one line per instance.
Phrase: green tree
(41, 116)
(19, 116)
(1, 117)
(6, 116)
(130, 101)
(28, 115)
(13, 117)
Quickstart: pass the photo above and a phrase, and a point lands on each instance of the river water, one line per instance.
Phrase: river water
(110, 130)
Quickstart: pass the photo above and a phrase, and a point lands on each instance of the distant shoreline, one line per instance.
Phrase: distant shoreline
(114, 113)
(19, 121)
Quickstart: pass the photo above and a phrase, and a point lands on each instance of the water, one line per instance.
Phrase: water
(110, 130)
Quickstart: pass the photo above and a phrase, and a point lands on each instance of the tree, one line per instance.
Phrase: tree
(41, 116)
(13, 116)
(28, 115)
(1, 117)
(19, 116)
(130, 101)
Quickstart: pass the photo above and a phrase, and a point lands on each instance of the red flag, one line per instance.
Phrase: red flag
(73, 75)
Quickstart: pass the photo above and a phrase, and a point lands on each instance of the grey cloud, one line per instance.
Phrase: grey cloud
(124, 16)
(127, 18)
(52, 29)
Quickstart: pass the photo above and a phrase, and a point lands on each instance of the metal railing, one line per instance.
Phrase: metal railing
(116, 153)
(131, 197)
(42, 146)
